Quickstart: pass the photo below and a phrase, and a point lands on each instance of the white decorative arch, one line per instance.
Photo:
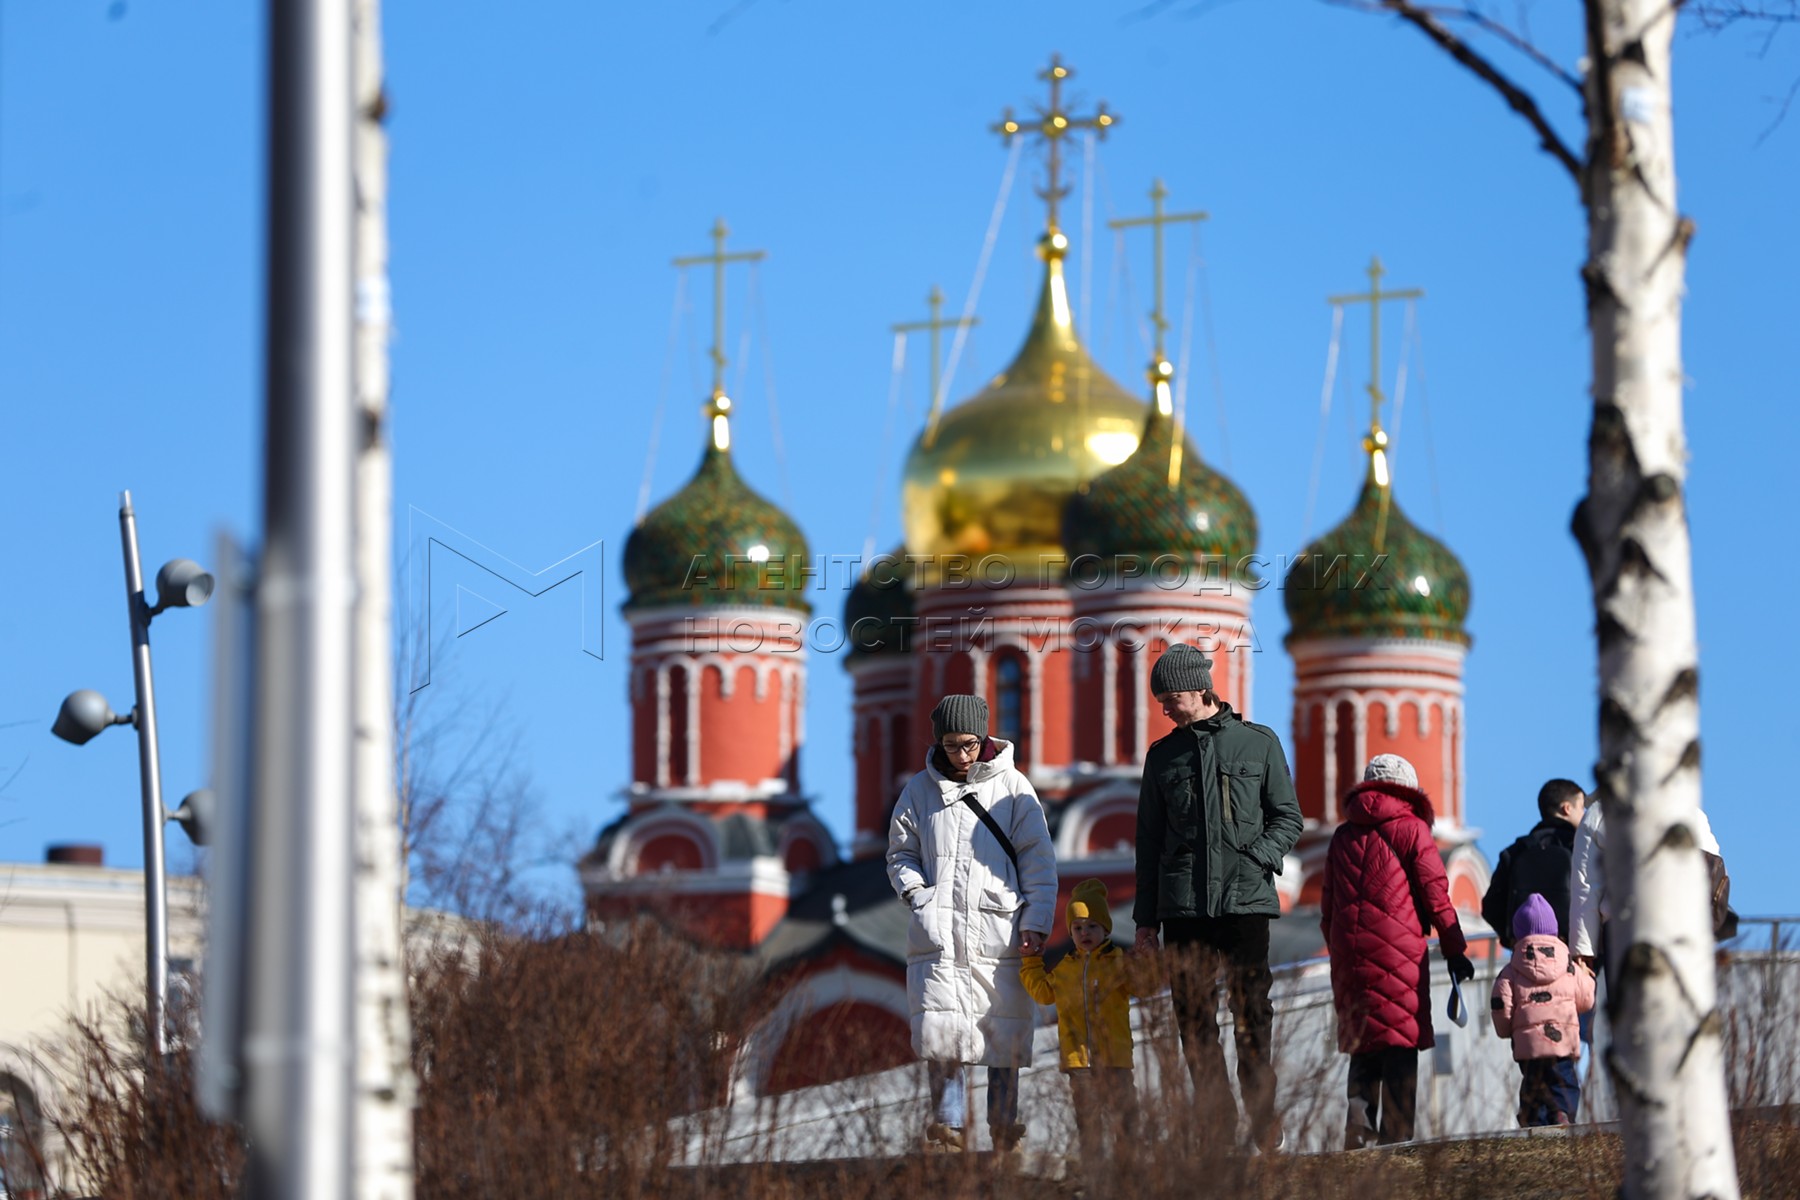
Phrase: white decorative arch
(1079, 819)
(810, 994)
(804, 827)
(1468, 861)
(622, 858)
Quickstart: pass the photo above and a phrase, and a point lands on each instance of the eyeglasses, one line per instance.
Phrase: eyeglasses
(960, 749)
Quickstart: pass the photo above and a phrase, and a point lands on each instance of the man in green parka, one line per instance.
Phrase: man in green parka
(1216, 818)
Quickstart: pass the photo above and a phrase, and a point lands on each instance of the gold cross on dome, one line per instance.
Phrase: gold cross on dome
(719, 405)
(1162, 372)
(935, 325)
(1051, 126)
(1373, 298)
(1156, 220)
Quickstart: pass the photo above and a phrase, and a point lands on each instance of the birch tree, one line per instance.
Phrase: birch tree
(1666, 1055)
(385, 1089)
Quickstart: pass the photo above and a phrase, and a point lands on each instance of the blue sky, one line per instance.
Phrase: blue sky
(550, 158)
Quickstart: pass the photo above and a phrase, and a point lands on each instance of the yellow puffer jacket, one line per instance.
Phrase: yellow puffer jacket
(1093, 1014)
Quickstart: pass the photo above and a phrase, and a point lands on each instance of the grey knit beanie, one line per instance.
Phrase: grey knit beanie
(959, 714)
(1182, 668)
(1391, 768)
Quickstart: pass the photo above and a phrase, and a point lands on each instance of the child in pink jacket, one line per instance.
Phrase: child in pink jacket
(1538, 1000)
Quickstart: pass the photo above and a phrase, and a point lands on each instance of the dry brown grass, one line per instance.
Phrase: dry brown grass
(575, 1066)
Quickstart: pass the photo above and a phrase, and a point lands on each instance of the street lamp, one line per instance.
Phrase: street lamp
(86, 714)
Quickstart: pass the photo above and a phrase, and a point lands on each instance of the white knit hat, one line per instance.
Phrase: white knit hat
(1391, 768)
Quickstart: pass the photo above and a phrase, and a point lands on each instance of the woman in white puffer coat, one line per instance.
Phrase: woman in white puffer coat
(975, 911)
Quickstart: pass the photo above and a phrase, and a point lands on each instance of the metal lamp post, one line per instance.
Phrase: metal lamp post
(85, 714)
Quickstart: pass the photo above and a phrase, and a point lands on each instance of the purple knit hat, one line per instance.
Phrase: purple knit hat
(1534, 917)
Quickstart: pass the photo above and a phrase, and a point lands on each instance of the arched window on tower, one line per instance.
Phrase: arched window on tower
(1009, 707)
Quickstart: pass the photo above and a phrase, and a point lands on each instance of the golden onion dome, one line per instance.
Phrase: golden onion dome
(992, 477)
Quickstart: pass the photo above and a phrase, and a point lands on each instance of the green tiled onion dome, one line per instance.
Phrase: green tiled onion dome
(878, 611)
(1131, 510)
(1419, 590)
(716, 542)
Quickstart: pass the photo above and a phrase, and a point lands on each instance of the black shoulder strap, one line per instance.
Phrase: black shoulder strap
(993, 827)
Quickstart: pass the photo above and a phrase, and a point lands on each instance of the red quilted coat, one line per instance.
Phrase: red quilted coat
(1383, 879)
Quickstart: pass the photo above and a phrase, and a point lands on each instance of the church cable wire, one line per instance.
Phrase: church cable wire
(1406, 336)
(1331, 363)
(1198, 252)
(759, 318)
(662, 397)
(896, 382)
(974, 296)
(1184, 356)
(1418, 349)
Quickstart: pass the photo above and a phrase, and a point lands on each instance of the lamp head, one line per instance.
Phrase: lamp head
(84, 716)
(195, 816)
(182, 583)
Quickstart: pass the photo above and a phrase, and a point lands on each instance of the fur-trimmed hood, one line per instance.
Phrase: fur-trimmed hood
(1382, 800)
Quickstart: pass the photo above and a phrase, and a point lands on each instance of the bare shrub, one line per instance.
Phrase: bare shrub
(558, 1066)
(126, 1124)
(574, 1064)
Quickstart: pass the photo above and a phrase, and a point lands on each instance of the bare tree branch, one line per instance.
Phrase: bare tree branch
(1719, 14)
(1787, 102)
(1520, 42)
(1774, 16)
(1517, 98)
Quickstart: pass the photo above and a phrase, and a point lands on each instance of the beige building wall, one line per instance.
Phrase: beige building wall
(70, 934)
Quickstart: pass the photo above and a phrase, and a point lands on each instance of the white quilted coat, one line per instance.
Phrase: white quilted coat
(1589, 905)
(962, 952)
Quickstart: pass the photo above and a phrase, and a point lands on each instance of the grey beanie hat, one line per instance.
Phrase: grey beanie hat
(959, 714)
(1182, 668)
(1391, 768)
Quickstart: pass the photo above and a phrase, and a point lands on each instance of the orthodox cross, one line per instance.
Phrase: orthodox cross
(1052, 125)
(1160, 371)
(1373, 298)
(1376, 441)
(935, 325)
(719, 405)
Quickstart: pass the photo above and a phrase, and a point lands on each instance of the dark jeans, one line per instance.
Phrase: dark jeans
(1548, 1088)
(1384, 1093)
(1106, 1110)
(1200, 949)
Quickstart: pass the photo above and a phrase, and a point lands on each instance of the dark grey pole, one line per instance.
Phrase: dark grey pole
(297, 1048)
(156, 894)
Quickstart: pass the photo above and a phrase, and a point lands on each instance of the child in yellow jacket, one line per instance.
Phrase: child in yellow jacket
(1090, 988)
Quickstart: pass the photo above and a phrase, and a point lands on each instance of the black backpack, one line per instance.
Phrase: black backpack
(1724, 920)
(1540, 863)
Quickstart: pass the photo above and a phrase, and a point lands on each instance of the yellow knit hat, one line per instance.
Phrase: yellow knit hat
(1088, 903)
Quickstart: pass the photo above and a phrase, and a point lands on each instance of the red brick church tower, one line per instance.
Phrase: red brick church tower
(1377, 610)
(717, 831)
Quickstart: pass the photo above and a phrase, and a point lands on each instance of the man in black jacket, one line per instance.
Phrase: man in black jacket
(1538, 862)
(1216, 818)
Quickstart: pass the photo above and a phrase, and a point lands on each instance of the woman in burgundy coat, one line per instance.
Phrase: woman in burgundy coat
(1384, 885)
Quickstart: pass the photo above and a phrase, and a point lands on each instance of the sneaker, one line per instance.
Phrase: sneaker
(939, 1136)
(1007, 1137)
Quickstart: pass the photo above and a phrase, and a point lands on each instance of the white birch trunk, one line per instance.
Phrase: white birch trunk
(1666, 1059)
(385, 1090)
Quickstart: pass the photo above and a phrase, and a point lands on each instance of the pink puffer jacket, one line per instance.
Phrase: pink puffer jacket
(1539, 997)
